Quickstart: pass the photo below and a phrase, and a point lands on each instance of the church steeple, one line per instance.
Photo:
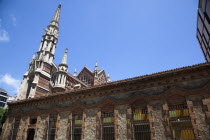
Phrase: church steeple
(56, 17)
(40, 71)
(50, 39)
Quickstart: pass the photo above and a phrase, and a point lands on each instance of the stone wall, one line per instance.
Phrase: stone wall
(21, 135)
(90, 124)
(198, 117)
(121, 122)
(7, 129)
(62, 127)
(129, 123)
(157, 121)
(41, 127)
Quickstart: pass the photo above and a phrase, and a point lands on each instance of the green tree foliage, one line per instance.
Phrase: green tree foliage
(3, 113)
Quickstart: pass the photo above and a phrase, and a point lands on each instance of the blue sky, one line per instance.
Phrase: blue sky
(128, 38)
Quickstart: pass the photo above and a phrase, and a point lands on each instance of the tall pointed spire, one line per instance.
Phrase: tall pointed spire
(56, 17)
(64, 60)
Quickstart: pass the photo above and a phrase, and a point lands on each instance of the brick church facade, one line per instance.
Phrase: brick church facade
(55, 105)
(44, 76)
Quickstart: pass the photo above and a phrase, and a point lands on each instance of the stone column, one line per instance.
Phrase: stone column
(98, 126)
(198, 118)
(62, 126)
(22, 131)
(90, 124)
(155, 110)
(206, 103)
(69, 128)
(166, 119)
(129, 123)
(7, 129)
(120, 113)
(41, 127)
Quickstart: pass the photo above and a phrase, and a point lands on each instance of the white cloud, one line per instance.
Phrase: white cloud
(8, 80)
(4, 35)
(14, 20)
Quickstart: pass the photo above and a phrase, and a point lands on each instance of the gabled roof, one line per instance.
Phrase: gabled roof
(101, 72)
(86, 69)
(76, 79)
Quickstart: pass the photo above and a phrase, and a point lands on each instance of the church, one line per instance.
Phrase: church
(44, 76)
(56, 105)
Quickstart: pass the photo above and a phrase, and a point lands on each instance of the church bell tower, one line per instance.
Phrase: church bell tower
(36, 81)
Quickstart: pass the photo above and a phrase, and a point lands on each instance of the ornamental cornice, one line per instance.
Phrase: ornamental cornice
(78, 106)
(167, 80)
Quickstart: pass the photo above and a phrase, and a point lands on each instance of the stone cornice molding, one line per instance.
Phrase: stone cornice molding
(168, 81)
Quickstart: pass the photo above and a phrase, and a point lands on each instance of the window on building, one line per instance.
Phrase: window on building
(30, 134)
(180, 122)
(4, 94)
(15, 129)
(52, 128)
(77, 127)
(33, 121)
(2, 104)
(108, 132)
(4, 99)
(202, 4)
(141, 124)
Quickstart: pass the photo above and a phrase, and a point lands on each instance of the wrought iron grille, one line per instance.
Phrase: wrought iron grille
(180, 122)
(141, 124)
(52, 128)
(77, 127)
(15, 129)
(108, 131)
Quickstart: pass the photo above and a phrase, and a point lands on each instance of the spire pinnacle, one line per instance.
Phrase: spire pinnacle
(75, 72)
(64, 60)
(108, 77)
(56, 17)
(96, 66)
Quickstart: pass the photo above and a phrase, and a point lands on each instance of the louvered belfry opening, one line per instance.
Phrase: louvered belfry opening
(108, 131)
(77, 127)
(180, 122)
(15, 129)
(141, 124)
(52, 128)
